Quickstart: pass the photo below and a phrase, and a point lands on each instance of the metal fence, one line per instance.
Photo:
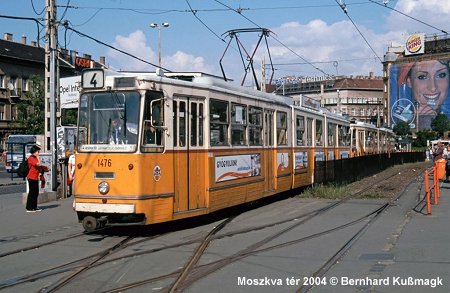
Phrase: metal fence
(352, 169)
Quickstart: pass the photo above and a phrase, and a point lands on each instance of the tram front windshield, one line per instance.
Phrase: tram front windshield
(108, 121)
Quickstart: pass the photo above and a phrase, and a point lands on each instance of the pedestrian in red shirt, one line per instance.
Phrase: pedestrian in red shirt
(34, 164)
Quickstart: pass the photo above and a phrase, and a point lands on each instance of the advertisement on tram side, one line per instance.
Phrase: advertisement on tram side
(238, 166)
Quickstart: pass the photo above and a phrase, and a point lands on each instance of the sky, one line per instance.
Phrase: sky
(310, 38)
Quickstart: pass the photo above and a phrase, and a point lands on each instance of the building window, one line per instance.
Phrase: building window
(25, 84)
(2, 81)
(2, 111)
(12, 85)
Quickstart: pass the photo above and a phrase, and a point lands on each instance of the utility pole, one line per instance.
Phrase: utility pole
(263, 74)
(51, 86)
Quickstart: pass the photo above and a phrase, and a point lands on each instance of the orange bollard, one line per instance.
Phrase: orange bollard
(435, 183)
(437, 189)
(427, 192)
(440, 168)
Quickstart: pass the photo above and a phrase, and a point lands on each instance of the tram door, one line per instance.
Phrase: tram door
(188, 160)
(269, 150)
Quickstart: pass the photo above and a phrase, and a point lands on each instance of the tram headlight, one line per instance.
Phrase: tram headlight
(103, 187)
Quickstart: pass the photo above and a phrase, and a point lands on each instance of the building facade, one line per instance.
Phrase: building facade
(19, 61)
(417, 79)
(360, 97)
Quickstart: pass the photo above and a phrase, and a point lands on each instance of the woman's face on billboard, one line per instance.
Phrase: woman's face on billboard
(429, 82)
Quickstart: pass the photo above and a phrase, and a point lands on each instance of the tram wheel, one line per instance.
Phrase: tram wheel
(90, 223)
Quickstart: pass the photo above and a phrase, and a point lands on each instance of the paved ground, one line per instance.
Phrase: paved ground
(404, 251)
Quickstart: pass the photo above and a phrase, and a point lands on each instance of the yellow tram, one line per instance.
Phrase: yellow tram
(155, 148)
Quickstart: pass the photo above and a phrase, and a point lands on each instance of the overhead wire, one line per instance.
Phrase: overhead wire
(278, 41)
(413, 18)
(34, 8)
(66, 25)
(66, 7)
(36, 20)
(239, 11)
(194, 12)
(344, 9)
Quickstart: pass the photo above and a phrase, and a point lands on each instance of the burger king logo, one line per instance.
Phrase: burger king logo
(414, 43)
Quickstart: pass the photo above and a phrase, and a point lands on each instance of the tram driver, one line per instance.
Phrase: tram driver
(120, 134)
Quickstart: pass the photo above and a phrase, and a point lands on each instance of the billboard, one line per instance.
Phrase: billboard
(415, 44)
(69, 91)
(418, 92)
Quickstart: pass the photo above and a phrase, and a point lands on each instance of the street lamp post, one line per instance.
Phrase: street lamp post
(159, 26)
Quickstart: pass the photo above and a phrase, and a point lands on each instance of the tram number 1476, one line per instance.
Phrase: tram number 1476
(104, 163)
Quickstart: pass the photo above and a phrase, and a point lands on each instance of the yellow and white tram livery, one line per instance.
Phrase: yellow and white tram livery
(153, 149)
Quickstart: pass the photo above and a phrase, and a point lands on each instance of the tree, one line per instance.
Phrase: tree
(69, 117)
(440, 124)
(423, 136)
(401, 128)
(31, 109)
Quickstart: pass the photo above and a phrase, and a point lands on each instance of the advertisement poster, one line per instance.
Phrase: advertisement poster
(320, 156)
(46, 159)
(418, 92)
(301, 160)
(344, 154)
(236, 167)
(282, 162)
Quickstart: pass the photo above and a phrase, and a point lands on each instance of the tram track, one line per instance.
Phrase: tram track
(347, 246)
(78, 266)
(194, 271)
(205, 270)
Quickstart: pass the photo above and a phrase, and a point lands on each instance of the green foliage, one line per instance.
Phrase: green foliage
(69, 117)
(401, 128)
(31, 109)
(423, 136)
(440, 124)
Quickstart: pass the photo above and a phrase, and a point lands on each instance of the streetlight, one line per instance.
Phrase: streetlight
(155, 25)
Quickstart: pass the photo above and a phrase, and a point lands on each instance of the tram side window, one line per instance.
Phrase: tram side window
(369, 139)
(196, 124)
(193, 124)
(268, 128)
(175, 123)
(300, 126)
(238, 124)
(218, 113)
(281, 128)
(331, 134)
(255, 125)
(309, 131)
(344, 135)
(182, 124)
(200, 125)
(153, 119)
(319, 133)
